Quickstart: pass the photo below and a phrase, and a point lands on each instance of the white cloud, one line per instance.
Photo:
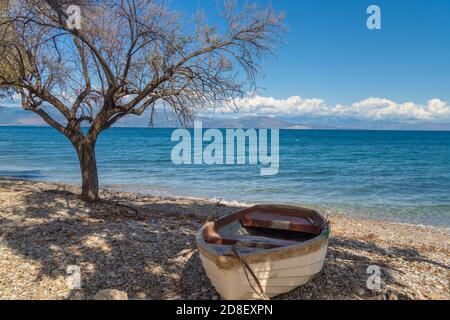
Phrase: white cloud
(368, 109)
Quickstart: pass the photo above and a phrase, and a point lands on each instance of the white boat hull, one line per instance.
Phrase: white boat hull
(278, 271)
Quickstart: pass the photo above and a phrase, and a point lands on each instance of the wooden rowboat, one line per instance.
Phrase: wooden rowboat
(263, 251)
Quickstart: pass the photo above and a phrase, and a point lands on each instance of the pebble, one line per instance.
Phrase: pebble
(393, 296)
(360, 291)
(111, 294)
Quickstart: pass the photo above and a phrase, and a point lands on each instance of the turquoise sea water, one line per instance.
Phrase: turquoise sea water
(400, 176)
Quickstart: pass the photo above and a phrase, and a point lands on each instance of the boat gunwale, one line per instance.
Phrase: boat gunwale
(287, 210)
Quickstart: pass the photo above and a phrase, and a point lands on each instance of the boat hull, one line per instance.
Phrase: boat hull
(278, 270)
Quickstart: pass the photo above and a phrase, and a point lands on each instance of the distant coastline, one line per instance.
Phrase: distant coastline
(10, 116)
(294, 128)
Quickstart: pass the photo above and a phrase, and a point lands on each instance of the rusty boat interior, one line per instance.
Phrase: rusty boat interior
(265, 227)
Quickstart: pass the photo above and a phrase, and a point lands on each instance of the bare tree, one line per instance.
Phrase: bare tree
(129, 56)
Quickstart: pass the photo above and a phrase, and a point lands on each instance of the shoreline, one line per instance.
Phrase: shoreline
(230, 203)
(243, 204)
(151, 254)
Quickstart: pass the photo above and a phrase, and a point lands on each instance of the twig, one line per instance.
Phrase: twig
(117, 204)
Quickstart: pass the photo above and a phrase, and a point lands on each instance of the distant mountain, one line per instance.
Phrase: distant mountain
(18, 117)
(248, 122)
(330, 123)
(167, 120)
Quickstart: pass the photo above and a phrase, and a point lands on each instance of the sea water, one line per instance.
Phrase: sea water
(392, 175)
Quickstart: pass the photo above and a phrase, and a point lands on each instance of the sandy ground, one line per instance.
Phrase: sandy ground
(45, 228)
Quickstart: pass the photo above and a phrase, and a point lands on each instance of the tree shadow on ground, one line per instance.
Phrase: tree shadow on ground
(143, 255)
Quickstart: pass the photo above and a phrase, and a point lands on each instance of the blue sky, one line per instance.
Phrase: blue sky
(329, 52)
(331, 65)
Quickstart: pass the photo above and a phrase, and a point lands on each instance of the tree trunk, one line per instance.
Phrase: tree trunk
(88, 166)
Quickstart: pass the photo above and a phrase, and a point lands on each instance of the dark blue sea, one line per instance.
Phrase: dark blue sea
(399, 176)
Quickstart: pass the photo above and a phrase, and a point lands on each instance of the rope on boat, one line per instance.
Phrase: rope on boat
(247, 269)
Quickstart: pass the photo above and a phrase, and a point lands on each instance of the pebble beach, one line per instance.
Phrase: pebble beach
(150, 252)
